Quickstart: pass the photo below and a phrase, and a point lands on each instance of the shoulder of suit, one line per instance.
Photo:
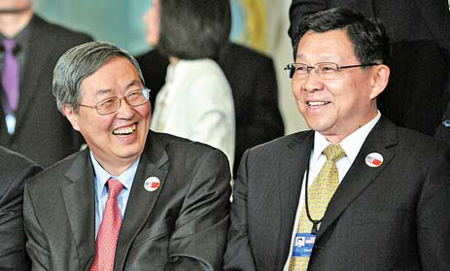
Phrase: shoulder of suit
(15, 160)
(179, 144)
(51, 176)
(14, 164)
(59, 32)
(421, 143)
(284, 141)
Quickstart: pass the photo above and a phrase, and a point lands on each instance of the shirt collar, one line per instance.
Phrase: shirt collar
(351, 144)
(102, 176)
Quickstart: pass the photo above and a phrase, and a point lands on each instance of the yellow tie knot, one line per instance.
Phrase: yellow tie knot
(334, 152)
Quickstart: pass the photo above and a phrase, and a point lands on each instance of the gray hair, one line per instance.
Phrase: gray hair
(80, 62)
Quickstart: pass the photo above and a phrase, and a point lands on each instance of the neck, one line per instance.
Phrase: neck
(115, 168)
(11, 23)
(337, 137)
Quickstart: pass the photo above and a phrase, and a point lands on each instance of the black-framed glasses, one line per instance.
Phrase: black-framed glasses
(112, 104)
(325, 70)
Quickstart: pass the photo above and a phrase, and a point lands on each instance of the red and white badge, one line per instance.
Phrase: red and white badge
(374, 159)
(152, 184)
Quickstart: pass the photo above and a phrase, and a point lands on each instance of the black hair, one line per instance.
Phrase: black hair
(369, 35)
(193, 29)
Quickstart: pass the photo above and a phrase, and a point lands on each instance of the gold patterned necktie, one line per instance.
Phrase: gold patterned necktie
(319, 195)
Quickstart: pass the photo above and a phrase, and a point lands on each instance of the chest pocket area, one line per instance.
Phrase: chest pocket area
(154, 231)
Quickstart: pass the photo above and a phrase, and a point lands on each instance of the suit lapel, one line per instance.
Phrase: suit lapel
(360, 175)
(38, 54)
(292, 168)
(79, 200)
(153, 163)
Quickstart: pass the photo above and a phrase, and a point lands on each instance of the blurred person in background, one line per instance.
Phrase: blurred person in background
(253, 82)
(29, 121)
(196, 101)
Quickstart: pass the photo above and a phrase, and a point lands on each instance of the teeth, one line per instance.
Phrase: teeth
(125, 131)
(317, 103)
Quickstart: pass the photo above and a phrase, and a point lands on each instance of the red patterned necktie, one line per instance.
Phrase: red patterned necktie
(108, 234)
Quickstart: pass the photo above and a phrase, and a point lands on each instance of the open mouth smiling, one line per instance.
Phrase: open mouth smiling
(125, 130)
(316, 103)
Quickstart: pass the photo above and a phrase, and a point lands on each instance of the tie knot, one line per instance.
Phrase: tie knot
(114, 187)
(9, 45)
(334, 152)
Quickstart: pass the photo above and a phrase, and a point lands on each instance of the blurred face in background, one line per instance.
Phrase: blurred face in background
(152, 22)
(14, 6)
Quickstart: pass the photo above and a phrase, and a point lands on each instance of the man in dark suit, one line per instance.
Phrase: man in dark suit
(419, 88)
(377, 194)
(40, 132)
(134, 199)
(15, 169)
(254, 86)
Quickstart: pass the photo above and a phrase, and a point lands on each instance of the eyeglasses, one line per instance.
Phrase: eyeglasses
(112, 104)
(325, 70)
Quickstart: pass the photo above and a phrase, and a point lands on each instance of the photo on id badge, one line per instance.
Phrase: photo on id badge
(303, 244)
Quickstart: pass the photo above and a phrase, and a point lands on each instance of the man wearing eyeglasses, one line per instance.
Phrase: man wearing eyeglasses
(362, 193)
(134, 199)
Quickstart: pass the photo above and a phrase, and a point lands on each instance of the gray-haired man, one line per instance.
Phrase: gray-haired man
(133, 198)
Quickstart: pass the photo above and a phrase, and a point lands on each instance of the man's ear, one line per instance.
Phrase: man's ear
(71, 115)
(380, 79)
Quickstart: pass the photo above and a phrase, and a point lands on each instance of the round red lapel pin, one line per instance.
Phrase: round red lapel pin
(152, 184)
(374, 159)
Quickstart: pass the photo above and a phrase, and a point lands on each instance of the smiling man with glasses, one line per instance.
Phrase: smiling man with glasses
(134, 199)
(355, 192)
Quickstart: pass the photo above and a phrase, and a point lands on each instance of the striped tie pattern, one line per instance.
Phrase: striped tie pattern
(319, 195)
(108, 234)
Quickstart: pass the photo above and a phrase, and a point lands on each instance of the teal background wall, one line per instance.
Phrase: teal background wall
(261, 24)
(117, 21)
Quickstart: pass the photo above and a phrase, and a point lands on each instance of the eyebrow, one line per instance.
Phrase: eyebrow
(325, 58)
(108, 90)
(102, 91)
(134, 83)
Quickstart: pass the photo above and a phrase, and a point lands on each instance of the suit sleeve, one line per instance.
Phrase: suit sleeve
(37, 245)
(12, 237)
(433, 219)
(238, 255)
(302, 8)
(199, 238)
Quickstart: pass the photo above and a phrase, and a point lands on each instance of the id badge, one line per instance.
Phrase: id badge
(303, 244)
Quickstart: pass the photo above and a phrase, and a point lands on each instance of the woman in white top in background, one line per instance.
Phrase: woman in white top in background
(196, 102)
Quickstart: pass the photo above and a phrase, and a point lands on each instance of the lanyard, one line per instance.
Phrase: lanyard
(316, 223)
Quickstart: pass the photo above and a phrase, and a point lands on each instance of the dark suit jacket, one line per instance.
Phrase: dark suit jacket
(417, 93)
(394, 217)
(253, 83)
(15, 169)
(180, 226)
(42, 133)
